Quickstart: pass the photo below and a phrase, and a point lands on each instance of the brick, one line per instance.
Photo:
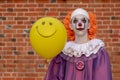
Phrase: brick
(8, 26)
(19, 5)
(4, 78)
(114, 26)
(2, 1)
(61, 1)
(115, 18)
(31, 1)
(102, 1)
(63, 9)
(30, 5)
(10, 9)
(9, 31)
(115, 1)
(117, 13)
(16, 52)
(13, 39)
(2, 35)
(52, 14)
(21, 10)
(65, 5)
(19, 26)
(2, 44)
(10, 1)
(20, 1)
(21, 18)
(117, 5)
(32, 22)
(80, 5)
(2, 61)
(72, 1)
(2, 10)
(94, 5)
(20, 44)
(8, 35)
(27, 31)
(2, 18)
(102, 9)
(31, 14)
(115, 9)
(20, 22)
(41, 65)
(9, 23)
(31, 74)
(63, 14)
(19, 78)
(39, 78)
(115, 22)
(28, 78)
(32, 9)
(103, 18)
(30, 52)
(8, 5)
(42, 1)
(106, 22)
(8, 57)
(51, 5)
(53, 1)
(108, 14)
(10, 44)
(25, 35)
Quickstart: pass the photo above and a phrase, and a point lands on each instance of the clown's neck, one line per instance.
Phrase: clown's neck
(81, 39)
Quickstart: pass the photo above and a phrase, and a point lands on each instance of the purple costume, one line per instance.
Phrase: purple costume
(95, 67)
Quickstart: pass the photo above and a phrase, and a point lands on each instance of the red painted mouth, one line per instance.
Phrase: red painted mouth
(80, 29)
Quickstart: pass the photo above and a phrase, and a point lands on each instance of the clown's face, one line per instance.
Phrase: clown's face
(80, 25)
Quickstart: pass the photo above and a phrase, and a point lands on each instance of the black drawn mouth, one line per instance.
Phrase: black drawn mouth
(45, 36)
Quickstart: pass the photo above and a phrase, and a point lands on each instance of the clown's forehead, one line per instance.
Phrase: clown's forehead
(79, 16)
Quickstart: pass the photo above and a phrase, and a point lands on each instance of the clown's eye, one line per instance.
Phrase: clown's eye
(84, 21)
(43, 23)
(75, 21)
(50, 23)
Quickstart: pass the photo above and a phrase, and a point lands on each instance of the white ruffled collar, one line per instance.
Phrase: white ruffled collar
(91, 47)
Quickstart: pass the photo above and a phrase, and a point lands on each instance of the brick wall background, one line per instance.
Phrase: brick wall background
(18, 61)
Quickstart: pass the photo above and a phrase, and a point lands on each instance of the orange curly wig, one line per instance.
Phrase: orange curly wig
(91, 31)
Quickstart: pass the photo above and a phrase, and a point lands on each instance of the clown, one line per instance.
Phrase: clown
(84, 57)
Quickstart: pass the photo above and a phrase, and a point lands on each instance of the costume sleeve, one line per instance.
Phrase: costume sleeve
(52, 72)
(102, 67)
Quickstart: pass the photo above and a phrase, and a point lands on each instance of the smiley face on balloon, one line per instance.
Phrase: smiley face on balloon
(48, 37)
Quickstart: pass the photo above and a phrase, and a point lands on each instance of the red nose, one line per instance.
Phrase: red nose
(79, 24)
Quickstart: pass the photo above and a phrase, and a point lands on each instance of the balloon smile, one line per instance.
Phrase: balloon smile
(45, 35)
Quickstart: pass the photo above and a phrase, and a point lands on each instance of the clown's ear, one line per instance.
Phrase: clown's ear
(88, 25)
(71, 26)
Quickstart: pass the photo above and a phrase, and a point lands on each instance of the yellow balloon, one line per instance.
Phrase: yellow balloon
(48, 37)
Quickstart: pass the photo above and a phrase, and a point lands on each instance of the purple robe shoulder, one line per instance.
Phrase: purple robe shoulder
(95, 67)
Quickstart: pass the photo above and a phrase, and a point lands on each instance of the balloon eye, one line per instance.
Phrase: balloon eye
(43, 23)
(51, 23)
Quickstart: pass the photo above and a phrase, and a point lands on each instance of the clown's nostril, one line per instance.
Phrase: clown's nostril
(79, 24)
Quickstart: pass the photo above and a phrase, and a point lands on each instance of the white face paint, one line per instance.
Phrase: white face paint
(80, 25)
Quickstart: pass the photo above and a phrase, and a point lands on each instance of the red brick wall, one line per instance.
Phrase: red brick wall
(18, 61)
